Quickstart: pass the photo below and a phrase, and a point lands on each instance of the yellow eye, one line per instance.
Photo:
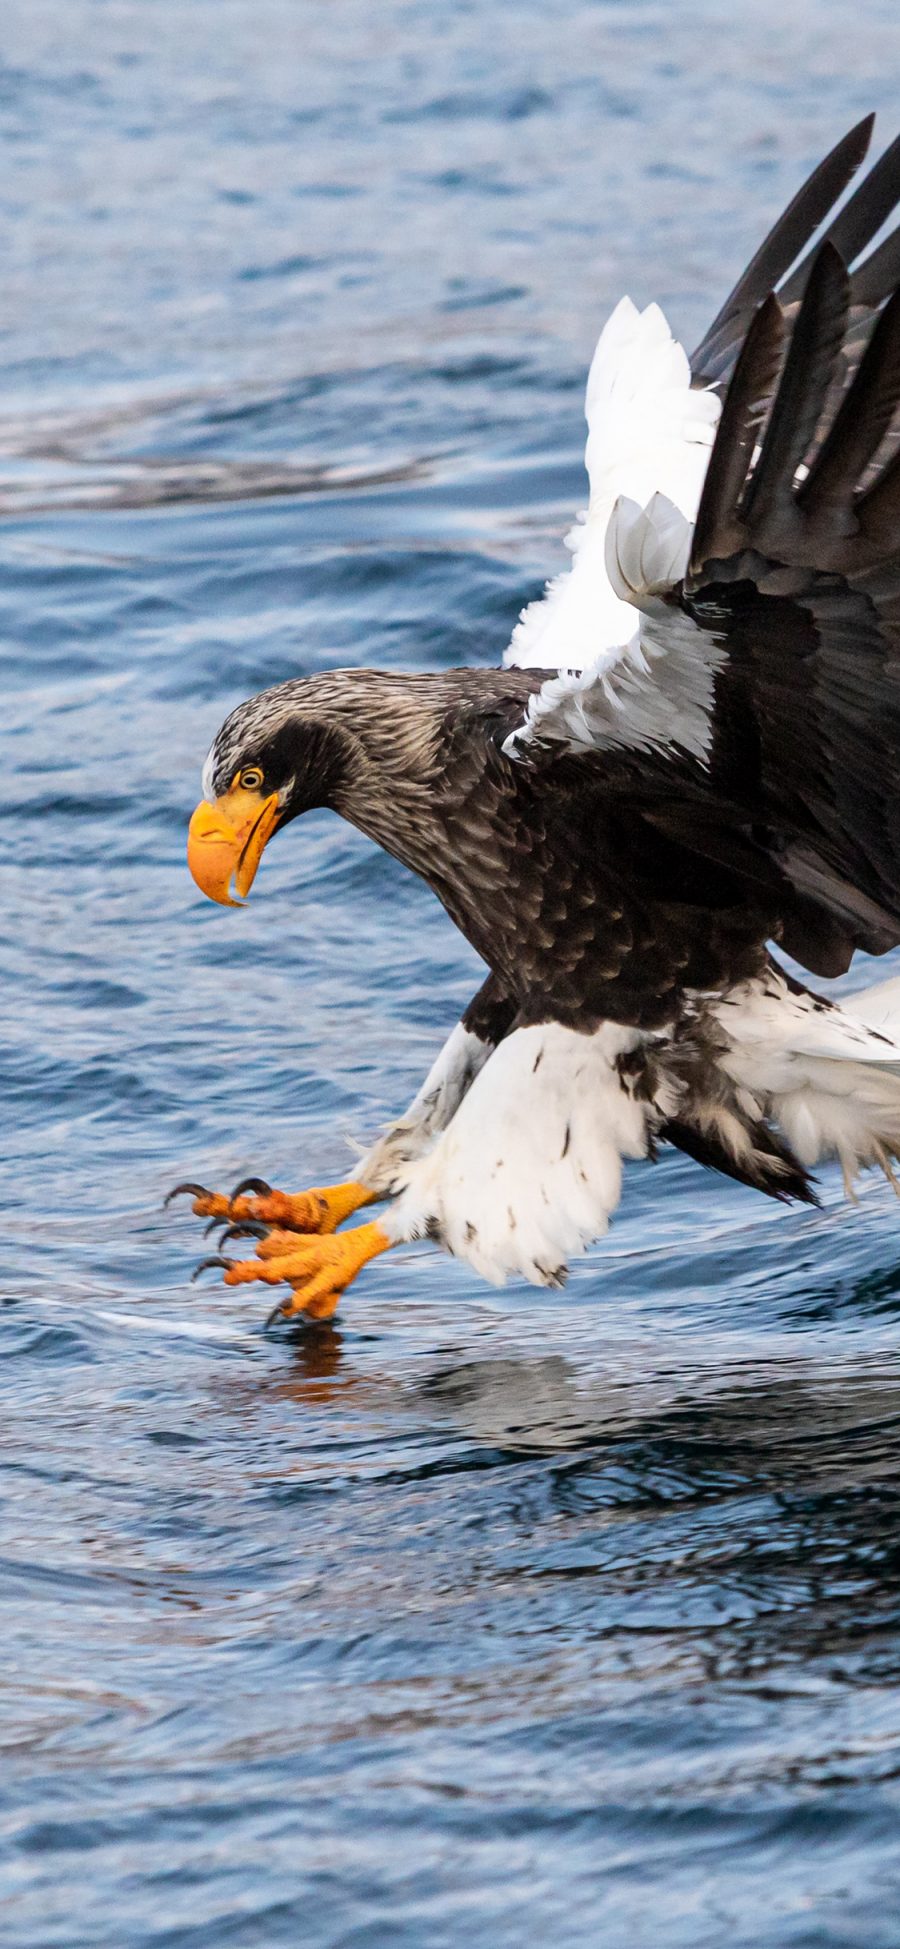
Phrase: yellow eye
(251, 779)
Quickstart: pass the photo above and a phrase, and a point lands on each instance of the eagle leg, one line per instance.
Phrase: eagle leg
(317, 1268)
(318, 1211)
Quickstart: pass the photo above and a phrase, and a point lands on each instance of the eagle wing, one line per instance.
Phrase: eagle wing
(780, 266)
(652, 412)
(767, 674)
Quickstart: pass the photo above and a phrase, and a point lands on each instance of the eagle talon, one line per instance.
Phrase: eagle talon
(318, 1269)
(205, 1265)
(316, 1314)
(244, 1228)
(254, 1202)
(277, 1313)
(188, 1190)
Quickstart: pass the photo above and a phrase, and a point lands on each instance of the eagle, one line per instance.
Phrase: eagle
(680, 782)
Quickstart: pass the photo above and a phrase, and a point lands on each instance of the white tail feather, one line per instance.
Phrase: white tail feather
(828, 1075)
(878, 1007)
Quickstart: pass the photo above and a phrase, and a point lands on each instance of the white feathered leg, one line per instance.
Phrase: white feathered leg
(449, 1078)
(529, 1169)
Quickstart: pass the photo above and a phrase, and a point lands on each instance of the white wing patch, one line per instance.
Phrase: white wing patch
(657, 694)
(649, 432)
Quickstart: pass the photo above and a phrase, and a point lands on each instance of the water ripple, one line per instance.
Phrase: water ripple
(508, 1618)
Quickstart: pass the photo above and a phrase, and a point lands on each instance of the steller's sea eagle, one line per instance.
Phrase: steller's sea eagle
(690, 756)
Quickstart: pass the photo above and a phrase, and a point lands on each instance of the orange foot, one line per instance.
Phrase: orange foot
(318, 1269)
(317, 1211)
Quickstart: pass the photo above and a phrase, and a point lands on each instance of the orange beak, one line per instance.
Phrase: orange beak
(226, 841)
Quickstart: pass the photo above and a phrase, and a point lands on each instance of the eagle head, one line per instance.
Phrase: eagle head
(275, 756)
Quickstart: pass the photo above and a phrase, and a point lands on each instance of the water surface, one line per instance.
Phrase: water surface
(487, 1618)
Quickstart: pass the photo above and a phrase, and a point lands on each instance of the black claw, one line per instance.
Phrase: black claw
(192, 1191)
(205, 1264)
(277, 1313)
(258, 1186)
(246, 1228)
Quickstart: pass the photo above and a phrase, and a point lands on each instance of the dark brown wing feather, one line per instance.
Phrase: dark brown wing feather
(799, 402)
(801, 581)
(779, 266)
(860, 425)
(715, 356)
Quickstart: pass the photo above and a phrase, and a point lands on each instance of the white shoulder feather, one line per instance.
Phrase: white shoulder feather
(657, 691)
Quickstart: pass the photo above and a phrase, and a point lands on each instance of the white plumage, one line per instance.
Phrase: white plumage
(434, 1104)
(526, 1170)
(529, 1169)
(649, 432)
(829, 1076)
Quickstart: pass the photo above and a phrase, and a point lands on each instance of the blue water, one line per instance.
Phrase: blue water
(497, 1619)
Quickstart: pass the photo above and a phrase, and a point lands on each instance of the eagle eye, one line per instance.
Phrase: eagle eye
(251, 779)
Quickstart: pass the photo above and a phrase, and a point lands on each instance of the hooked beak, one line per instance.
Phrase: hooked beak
(226, 842)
